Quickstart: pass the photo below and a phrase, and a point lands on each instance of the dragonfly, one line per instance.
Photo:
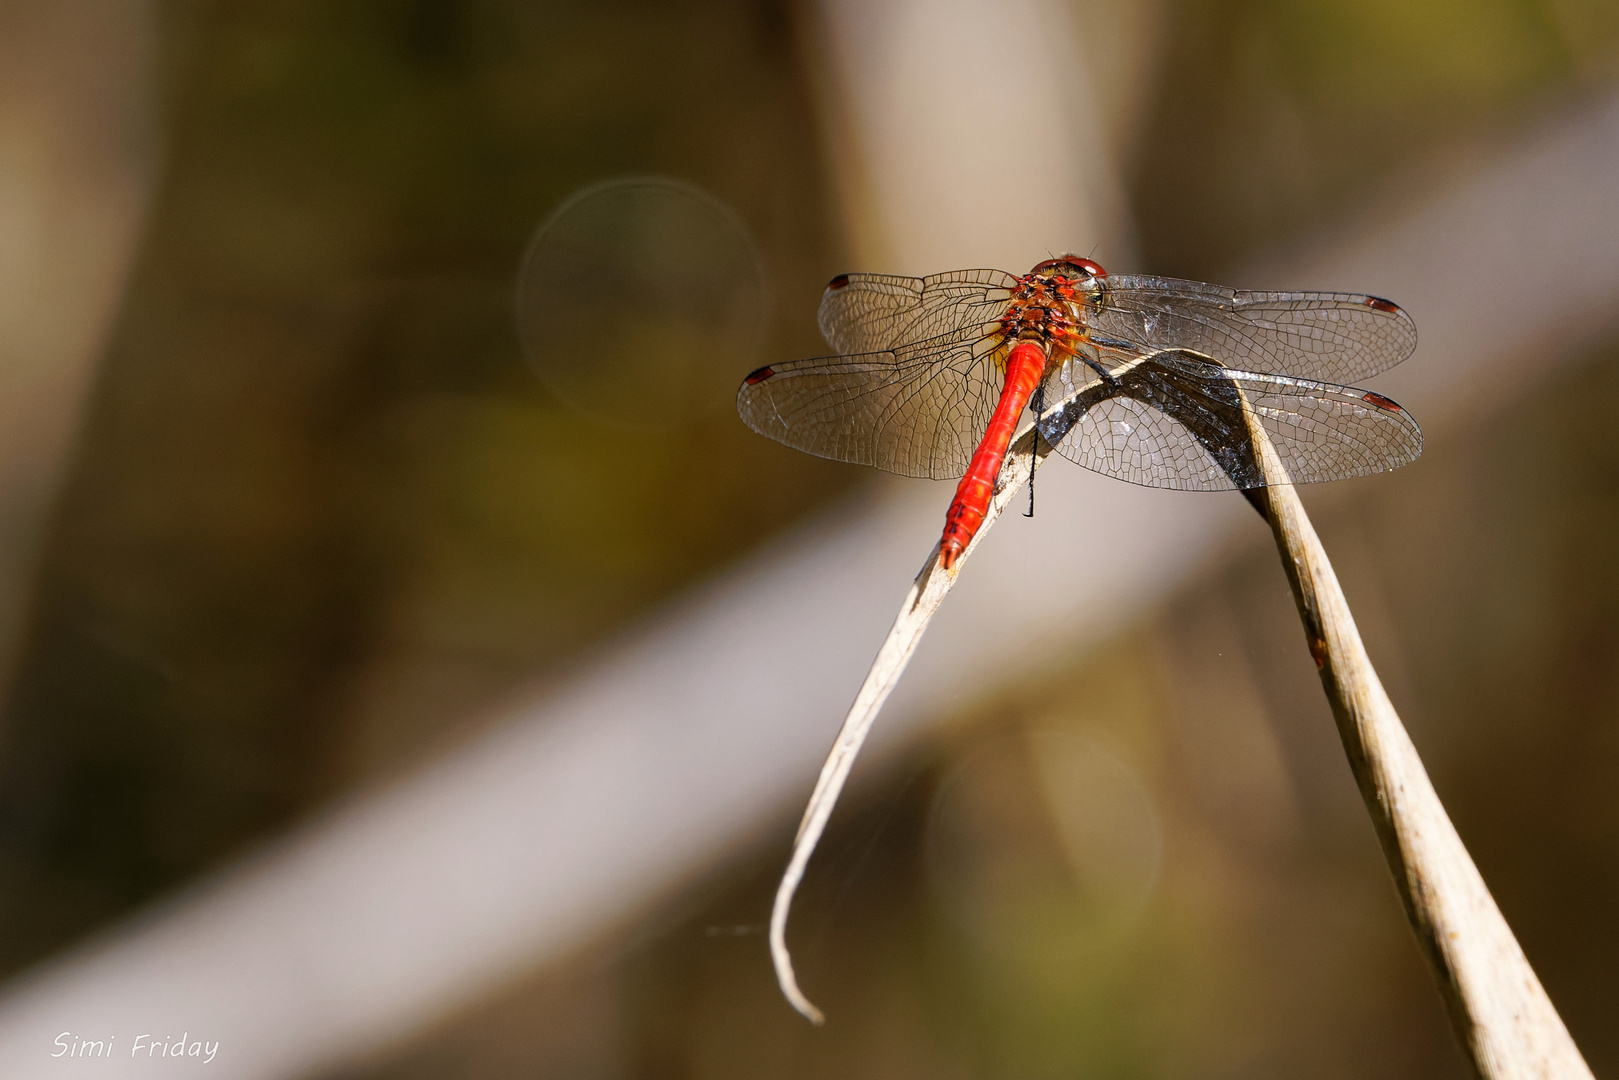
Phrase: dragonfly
(1147, 379)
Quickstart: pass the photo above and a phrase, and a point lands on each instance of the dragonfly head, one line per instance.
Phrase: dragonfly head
(1073, 267)
(1072, 278)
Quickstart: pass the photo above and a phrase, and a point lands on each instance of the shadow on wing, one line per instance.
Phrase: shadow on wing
(1174, 420)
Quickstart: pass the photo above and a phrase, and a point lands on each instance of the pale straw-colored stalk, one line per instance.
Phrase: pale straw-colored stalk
(927, 593)
(1502, 1014)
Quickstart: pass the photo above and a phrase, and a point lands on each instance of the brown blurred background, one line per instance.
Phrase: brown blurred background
(320, 512)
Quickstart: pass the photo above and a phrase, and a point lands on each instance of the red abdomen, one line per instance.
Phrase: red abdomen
(1024, 366)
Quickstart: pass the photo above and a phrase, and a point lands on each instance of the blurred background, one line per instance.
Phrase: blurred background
(350, 426)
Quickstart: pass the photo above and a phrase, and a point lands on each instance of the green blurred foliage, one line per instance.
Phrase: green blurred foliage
(322, 506)
(1271, 944)
(322, 510)
(1271, 117)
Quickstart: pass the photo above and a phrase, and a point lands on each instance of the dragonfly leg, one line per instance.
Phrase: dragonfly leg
(1038, 405)
(1100, 368)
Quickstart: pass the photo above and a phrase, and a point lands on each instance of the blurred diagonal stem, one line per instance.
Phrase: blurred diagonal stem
(1499, 1009)
(927, 593)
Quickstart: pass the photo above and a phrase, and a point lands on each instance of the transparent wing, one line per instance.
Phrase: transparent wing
(1336, 337)
(866, 313)
(918, 409)
(1174, 420)
(1324, 432)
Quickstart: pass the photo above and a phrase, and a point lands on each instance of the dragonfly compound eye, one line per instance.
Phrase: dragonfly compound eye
(1072, 266)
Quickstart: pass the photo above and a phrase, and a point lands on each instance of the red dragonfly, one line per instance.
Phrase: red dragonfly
(1142, 378)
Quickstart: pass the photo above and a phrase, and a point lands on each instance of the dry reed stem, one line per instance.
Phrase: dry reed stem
(927, 593)
(1501, 1012)
(1499, 1009)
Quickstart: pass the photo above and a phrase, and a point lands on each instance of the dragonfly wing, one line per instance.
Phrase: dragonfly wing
(1326, 432)
(1334, 337)
(865, 313)
(917, 410)
(1131, 439)
(1174, 419)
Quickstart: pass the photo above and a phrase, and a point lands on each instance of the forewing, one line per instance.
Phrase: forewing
(1174, 420)
(866, 313)
(1334, 337)
(918, 410)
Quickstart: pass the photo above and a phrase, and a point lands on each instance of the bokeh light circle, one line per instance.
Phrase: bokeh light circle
(642, 301)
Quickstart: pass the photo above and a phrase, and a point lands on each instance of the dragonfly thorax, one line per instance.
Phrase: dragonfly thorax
(1055, 323)
(1048, 305)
